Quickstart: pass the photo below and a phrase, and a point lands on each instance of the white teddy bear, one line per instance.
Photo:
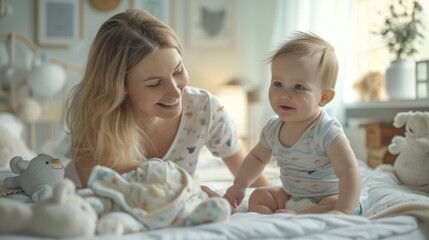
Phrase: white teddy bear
(412, 164)
(63, 215)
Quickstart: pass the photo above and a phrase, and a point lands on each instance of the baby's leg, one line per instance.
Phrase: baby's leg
(326, 204)
(267, 200)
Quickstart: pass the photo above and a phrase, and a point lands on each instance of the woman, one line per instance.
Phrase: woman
(133, 103)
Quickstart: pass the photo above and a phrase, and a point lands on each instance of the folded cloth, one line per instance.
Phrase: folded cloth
(157, 194)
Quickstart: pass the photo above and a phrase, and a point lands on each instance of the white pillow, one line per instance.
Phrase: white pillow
(10, 146)
(12, 124)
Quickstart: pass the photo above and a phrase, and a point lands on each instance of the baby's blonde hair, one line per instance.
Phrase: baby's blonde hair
(101, 122)
(317, 50)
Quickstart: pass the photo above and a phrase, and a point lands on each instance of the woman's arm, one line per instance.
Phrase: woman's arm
(234, 162)
(83, 169)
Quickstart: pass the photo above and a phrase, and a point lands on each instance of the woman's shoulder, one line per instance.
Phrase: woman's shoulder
(195, 92)
(198, 97)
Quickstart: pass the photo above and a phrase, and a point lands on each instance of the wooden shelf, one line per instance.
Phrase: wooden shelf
(384, 110)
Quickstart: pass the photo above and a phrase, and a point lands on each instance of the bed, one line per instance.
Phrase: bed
(390, 211)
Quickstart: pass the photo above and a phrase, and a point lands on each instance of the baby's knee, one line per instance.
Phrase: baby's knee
(269, 199)
(259, 195)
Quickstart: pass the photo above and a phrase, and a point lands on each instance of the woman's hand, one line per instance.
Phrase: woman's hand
(235, 195)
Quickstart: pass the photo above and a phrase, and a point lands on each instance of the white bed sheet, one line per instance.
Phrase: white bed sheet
(283, 226)
(379, 222)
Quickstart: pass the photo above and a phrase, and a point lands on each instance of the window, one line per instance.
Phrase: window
(370, 50)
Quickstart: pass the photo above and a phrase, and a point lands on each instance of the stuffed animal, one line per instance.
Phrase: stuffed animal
(63, 215)
(371, 87)
(156, 195)
(412, 164)
(37, 177)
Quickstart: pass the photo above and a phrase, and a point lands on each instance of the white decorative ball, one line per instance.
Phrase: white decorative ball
(28, 110)
(47, 79)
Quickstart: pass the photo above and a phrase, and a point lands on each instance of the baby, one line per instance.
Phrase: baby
(319, 171)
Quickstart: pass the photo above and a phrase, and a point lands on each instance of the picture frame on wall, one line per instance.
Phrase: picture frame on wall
(161, 9)
(422, 79)
(211, 23)
(58, 22)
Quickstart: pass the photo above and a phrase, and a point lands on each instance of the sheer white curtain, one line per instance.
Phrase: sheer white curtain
(331, 20)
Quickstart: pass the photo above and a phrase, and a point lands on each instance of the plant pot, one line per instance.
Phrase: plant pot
(401, 80)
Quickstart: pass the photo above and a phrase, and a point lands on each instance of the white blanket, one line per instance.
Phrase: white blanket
(284, 226)
(385, 196)
(279, 226)
(391, 211)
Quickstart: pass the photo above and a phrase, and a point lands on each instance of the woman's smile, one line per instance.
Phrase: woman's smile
(170, 104)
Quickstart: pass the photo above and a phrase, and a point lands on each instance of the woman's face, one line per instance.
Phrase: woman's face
(155, 85)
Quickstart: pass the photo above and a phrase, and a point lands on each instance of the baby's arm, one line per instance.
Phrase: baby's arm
(346, 168)
(250, 169)
(234, 162)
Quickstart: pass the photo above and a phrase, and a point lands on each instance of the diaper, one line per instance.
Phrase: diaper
(301, 203)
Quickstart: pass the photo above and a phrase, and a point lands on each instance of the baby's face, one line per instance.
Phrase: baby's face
(296, 90)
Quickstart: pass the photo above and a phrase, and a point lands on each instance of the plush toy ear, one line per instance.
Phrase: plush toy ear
(23, 164)
(17, 164)
(425, 116)
(401, 118)
(63, 190)
(14, 164)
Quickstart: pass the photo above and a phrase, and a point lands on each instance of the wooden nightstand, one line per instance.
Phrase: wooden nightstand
(378, 137)
(380, 114)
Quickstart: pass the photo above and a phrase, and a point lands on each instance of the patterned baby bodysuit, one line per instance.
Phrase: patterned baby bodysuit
(305, 169)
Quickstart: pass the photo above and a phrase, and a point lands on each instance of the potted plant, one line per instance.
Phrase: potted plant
(402, 30)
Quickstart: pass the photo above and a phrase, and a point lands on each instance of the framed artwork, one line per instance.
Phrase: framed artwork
(211, 23)
(422, 79)
(58, 22)
(161, 9)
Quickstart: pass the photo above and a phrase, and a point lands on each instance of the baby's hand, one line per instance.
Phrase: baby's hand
(235, 195)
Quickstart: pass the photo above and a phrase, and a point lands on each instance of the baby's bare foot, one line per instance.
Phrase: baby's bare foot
(212, 193)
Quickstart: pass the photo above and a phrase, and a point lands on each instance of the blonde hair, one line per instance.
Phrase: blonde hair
(99, 117)
(317, 49)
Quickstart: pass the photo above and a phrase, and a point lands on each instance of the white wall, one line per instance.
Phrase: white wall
(208, 67)
(23, 21)
(244, 58)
